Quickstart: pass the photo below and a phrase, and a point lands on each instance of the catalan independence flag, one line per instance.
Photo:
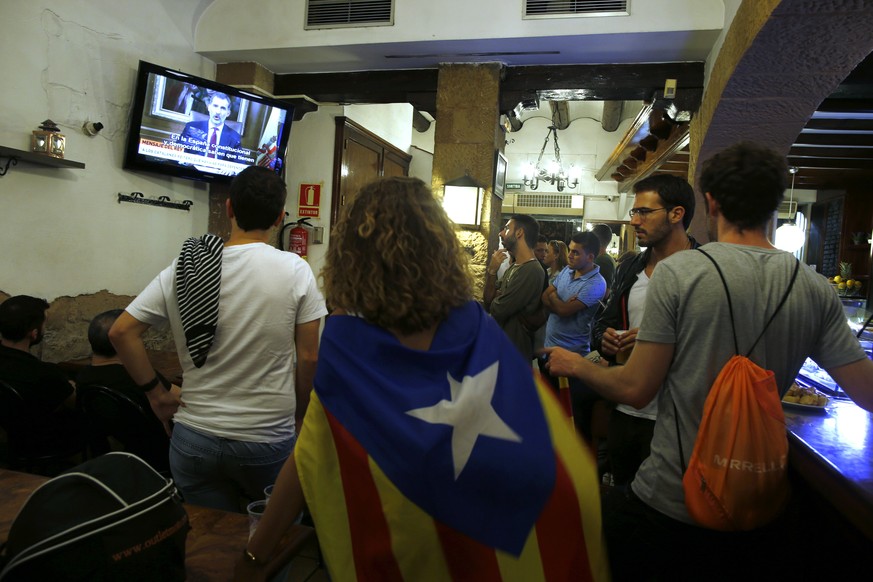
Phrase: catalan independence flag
(449, 464)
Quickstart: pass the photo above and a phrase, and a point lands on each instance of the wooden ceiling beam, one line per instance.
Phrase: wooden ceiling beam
(626, 82)
(836, 139)
(415, 86)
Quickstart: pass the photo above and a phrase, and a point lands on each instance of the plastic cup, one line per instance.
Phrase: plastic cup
(268, 490)
(256, 512)
(621, 357)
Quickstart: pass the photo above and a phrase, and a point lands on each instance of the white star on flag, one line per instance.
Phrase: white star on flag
(470, 414)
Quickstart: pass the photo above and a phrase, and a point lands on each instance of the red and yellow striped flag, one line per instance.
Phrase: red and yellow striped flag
(427, 501)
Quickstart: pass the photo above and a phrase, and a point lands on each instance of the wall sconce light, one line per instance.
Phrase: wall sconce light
(47, 140)
(462, 201)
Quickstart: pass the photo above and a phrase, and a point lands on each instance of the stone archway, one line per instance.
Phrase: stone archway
(779, 61)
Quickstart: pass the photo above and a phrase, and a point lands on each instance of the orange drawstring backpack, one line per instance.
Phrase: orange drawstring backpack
(737, 477)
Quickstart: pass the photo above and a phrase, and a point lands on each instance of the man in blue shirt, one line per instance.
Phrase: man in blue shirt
(572, 302)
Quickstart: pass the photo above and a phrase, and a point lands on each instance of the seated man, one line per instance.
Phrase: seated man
(107, 370)
(50, 398)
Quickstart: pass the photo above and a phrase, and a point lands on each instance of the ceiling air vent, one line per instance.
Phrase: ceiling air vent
(536, 204)
(566, 8)
(345, 13)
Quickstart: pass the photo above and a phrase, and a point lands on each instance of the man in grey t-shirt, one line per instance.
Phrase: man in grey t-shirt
(684, 341)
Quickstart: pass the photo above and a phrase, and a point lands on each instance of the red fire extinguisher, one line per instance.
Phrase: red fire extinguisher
(298, 237)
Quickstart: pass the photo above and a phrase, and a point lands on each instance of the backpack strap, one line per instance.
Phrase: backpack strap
(734, 330)
(731, 307)
(728, 293)
(778, 307)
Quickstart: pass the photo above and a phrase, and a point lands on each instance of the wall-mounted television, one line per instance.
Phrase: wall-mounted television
(193, 128)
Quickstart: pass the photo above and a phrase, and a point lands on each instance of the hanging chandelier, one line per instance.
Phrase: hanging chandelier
(554, 173)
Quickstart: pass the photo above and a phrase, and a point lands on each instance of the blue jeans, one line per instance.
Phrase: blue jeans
(218, 472)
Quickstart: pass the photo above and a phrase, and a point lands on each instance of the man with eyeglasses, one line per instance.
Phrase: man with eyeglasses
(685, 339)
(572, 302)
(663, 209)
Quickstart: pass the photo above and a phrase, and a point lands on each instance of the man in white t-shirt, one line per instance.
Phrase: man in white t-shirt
(244, 398)
(662, 211)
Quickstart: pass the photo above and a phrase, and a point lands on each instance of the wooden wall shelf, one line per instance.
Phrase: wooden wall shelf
(13, 156)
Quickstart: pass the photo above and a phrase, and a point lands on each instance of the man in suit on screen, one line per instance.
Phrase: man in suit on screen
(212, 137)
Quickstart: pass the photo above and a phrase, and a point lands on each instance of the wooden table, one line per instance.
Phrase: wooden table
(214, 544)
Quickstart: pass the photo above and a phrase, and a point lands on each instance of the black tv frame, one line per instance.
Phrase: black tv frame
(144, 97)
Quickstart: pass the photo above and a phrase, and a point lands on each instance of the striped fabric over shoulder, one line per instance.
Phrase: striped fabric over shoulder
(198, 283)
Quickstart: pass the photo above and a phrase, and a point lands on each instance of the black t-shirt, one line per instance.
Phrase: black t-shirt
(115, 377)
(43, 386)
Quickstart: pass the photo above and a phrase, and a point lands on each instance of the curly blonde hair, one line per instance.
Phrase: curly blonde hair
(394, 258)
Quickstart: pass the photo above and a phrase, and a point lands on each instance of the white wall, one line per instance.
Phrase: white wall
(310, 161)
(590, 145)
(311, 156)
(422, 153)
(392, 122)
(63, 232)
(278, 24)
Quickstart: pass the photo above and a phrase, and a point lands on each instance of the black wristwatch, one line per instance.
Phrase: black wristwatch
(149, 386)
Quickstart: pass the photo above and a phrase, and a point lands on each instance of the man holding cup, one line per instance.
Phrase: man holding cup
(662, 211)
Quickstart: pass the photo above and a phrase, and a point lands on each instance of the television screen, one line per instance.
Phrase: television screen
(194, 128)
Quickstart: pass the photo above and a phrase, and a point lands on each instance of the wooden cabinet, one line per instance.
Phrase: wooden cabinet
(833, 222)
(359, 158)
(857, 218)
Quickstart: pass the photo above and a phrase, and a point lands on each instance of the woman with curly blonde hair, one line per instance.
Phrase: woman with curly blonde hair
(394, 259)
(428, 448)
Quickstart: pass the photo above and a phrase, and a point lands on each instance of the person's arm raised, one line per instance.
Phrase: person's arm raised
(491, 269)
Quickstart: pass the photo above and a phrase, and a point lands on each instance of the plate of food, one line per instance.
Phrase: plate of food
(804, 398)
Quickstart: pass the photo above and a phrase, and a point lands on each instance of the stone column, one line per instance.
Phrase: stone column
(467, 135)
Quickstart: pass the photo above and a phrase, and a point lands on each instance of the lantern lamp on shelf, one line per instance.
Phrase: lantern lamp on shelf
(48, 140)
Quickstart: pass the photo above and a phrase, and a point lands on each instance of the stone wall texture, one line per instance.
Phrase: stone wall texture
(779, 61)
(66, 330)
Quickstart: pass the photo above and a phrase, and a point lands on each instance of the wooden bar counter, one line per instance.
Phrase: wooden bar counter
(832, 450)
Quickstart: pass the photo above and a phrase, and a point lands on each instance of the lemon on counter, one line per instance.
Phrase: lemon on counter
(837, 279)
(850, 283)
(841, 286)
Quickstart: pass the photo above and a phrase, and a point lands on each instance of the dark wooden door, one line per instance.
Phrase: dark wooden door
(359, 158)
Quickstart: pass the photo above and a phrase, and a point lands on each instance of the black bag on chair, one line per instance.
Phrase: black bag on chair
(110, 518)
